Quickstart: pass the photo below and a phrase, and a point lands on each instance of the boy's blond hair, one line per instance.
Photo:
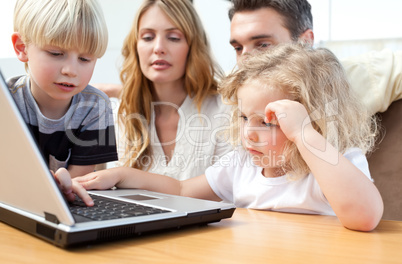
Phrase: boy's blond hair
(316, 79)
(62, 23)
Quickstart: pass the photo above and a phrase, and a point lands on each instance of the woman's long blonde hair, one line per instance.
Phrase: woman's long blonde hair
(200, 77)
(316, 79)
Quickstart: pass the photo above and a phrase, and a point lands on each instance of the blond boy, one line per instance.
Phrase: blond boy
(60, 42)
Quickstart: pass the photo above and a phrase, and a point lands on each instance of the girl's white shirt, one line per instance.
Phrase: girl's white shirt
(236, 179)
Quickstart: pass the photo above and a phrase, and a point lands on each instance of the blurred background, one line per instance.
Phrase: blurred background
(347, 27)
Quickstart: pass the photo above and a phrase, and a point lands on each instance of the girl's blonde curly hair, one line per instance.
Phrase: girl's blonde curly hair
(316, 79)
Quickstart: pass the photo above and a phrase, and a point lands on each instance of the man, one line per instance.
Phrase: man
(259, 24)
(376, 77)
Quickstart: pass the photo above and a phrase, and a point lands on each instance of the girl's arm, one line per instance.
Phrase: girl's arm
(124, 177)
(353, 197)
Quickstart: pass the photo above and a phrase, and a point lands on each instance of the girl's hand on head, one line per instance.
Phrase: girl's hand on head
(291, 116)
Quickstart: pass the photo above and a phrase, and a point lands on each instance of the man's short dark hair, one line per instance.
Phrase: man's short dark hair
(296, 14)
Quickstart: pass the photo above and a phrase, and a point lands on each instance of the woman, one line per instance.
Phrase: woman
(170, 117)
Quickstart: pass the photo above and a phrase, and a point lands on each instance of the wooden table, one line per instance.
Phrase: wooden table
(248, 237)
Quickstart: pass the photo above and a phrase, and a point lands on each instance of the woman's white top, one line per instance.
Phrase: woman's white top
(199, 140)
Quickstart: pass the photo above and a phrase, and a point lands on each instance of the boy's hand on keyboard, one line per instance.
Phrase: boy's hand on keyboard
(71, 188)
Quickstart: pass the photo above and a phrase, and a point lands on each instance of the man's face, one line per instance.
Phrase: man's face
(257, 29)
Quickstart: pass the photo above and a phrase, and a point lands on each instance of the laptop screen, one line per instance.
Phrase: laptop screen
(26, 182)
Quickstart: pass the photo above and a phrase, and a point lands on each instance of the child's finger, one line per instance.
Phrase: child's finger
(82, 193)
(268, 113)
(64, 179)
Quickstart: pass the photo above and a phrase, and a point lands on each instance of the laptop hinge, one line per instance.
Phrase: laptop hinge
(52, 218)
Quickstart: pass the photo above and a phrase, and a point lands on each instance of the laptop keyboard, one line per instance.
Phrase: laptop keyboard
(107, 209)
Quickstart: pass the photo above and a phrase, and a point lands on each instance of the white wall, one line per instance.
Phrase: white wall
(334, 20)
(118, 18)
(214, 16)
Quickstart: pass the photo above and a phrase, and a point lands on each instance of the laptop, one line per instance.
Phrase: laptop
(30, 199)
